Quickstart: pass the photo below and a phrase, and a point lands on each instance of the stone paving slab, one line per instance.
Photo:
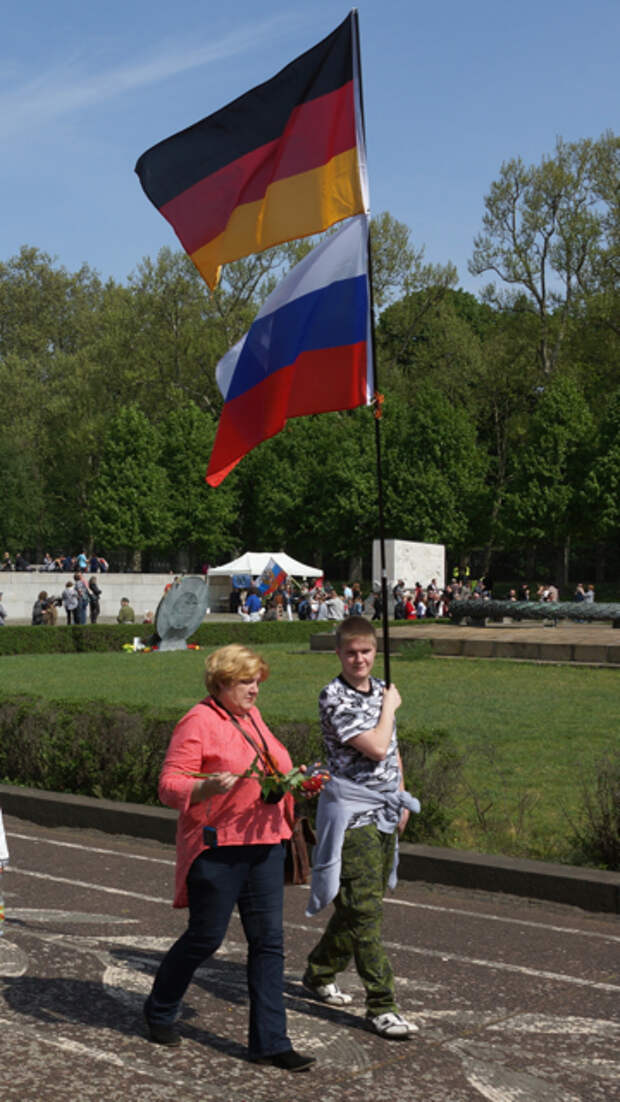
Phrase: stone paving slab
(515, 1001)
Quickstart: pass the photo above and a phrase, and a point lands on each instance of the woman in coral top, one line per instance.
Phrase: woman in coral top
(229, 851)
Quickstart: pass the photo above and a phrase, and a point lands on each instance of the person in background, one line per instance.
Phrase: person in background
(2, 613)
(81, 562)
(21, 562)
(229, 853)
(83, 595)
(39, 608)
(94, 597)
(400, 612)
(357, 604)
(70, 602)
(50, 613)
(93, 564)
(410, 612)
(589, 596)
(336, 608)
(7, 562)
(126, 613)
(252, 610)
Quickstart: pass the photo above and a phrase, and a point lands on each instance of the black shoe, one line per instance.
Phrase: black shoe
(288, 1061)
(161, 1034)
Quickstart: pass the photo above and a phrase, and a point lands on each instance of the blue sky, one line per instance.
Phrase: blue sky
(451, 90)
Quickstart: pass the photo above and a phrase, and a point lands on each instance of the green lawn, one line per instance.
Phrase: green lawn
(529, 734)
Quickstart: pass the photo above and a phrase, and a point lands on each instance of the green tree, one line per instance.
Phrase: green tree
(600, 497)
(433, 336)
(547, 471)
(129, 509)
(547, 232)
(434, 471)
(203, 519)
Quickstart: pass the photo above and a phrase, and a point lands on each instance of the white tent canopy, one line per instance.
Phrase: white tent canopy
(254, 562)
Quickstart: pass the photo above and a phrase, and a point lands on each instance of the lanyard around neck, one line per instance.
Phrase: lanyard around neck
(262, 752)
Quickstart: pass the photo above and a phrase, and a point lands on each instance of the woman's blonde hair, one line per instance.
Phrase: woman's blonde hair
(231, 664)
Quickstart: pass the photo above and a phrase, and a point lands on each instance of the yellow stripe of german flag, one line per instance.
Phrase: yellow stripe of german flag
(295, 207)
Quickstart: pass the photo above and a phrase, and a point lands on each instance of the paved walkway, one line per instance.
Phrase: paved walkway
(515, 1001)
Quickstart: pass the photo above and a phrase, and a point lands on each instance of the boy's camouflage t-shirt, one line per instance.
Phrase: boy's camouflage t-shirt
(344, 713)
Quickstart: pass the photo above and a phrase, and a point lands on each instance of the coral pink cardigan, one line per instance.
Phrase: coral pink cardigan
(206, 741)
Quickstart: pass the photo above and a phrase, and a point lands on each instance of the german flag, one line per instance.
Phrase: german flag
(285, 160)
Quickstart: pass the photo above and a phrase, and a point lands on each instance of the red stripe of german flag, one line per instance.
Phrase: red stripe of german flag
(278, 163)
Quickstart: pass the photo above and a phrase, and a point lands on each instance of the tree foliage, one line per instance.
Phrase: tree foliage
(501, 421)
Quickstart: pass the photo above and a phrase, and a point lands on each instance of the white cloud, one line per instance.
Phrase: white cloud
(67, 88)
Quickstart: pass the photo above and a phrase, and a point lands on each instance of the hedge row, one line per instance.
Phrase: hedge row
(110, 637)
(115, 753)
(99, 749)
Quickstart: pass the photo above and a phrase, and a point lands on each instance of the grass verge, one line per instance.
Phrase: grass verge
(517, 740)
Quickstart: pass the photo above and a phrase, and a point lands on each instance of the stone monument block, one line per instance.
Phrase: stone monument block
(413, 562)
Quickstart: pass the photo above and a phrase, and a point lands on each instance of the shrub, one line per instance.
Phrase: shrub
(432, 767)
(103, 750)
(92, 749)
(110, 637)
(596, 837)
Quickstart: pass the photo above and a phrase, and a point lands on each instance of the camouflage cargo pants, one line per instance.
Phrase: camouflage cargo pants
(354, 929)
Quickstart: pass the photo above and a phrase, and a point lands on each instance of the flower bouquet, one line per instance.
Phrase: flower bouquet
(302, 781)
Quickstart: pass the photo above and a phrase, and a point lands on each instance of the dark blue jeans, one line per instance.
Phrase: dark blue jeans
(253, 878)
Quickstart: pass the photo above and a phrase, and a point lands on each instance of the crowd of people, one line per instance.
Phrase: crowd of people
(322, 601)
(79, 599)
(61, 564)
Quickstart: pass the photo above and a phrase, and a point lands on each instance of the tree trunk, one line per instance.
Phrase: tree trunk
(355, 568)
(136, 562)
(599, 567)
(563, 560)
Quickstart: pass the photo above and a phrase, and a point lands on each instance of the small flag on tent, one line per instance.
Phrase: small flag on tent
(308, 350)
(285, 160)
(271, 577)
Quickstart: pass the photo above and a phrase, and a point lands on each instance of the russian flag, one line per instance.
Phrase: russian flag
(272, 576)
(308, 351)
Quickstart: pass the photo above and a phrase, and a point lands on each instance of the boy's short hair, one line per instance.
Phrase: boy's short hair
(354, 627)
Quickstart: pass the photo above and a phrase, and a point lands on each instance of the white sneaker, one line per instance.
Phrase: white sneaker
(329, 993)
(393, 1026)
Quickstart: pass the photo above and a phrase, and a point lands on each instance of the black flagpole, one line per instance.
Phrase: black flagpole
(378, 398)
